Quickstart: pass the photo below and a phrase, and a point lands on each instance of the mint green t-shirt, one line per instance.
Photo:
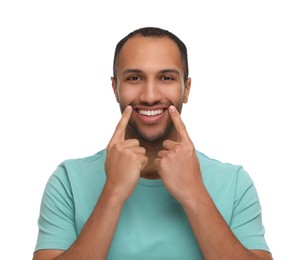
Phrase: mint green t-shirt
(152, 225)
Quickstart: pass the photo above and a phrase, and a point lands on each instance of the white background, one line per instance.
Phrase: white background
(56, 100)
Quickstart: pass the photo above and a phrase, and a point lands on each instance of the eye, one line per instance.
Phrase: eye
(167, 78)
(134, 78)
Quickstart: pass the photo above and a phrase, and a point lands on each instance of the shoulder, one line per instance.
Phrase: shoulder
(93, 160)
(76, 170)
(86, 164)
(221, 176)
(213, 167)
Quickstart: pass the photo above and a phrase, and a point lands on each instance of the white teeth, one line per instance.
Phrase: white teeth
(150, 112)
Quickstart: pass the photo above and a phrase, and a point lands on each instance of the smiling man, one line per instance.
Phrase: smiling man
(150, 194)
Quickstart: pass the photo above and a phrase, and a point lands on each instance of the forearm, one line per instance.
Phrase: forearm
(213, 235)
(96, 236)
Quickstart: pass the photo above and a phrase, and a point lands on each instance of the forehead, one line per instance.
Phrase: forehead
(144, 52)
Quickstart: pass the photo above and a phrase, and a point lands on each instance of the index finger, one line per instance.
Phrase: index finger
(178, 124)
(119, 133)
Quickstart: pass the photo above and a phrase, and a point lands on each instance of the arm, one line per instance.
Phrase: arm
(214, 237)
(212, 233)
(123, 157)
(96, 236)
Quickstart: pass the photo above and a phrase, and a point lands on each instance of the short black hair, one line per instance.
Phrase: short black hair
(153, 32)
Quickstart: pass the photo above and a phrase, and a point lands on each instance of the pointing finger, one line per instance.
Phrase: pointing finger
(179, 124)
(119, 133)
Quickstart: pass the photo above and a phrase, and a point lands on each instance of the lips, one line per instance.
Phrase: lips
(150, 115)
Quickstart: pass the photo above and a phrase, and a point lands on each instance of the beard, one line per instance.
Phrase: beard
(157, 137)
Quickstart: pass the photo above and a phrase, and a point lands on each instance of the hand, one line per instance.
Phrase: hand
(178, 164)
(125, 159)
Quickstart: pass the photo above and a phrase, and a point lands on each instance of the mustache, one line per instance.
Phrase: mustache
(158, 103)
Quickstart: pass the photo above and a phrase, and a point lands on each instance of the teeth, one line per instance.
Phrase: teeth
(150, 112)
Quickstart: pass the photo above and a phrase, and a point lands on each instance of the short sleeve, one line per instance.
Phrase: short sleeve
(56, 220)
(246, 222)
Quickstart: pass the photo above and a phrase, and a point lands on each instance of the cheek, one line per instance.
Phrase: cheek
(127, 95)
(176, 97)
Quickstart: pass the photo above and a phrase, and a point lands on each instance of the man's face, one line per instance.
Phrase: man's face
(150, 79)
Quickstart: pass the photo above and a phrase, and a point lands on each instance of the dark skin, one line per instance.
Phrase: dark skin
(150, 81)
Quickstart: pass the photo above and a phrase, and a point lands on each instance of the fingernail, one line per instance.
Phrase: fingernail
(171, 108)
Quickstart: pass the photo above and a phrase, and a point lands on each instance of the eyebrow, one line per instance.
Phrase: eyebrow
(170, 71)
(141, 71)
(132, 71)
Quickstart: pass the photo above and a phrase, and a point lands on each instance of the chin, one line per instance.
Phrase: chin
(151, 138)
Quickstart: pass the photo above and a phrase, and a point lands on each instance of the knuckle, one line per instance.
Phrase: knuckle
(142, 150)
(110, 146)
(120, 126)
(181, 126)
(119, 147)
(136, 142)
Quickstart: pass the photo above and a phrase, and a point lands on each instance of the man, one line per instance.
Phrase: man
(150, 194)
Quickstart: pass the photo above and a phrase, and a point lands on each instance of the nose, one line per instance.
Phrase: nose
(150, 92)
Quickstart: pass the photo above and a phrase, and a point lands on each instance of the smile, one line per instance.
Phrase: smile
(150, 112)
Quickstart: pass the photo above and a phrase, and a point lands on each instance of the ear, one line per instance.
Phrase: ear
(187, 90)
(114, 87)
